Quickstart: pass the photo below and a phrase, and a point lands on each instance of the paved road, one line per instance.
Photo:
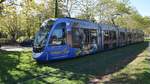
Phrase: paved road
(15, 48)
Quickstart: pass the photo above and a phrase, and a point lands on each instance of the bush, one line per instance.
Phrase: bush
(27, 43)
(4, 41)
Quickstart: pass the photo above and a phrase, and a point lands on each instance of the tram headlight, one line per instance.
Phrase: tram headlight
(36, 55)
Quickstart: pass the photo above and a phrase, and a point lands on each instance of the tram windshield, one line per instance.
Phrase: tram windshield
(42, 35)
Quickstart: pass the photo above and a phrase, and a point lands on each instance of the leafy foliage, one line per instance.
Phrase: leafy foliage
(20, 19)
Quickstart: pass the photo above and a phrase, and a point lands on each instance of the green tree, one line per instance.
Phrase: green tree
(87, 10)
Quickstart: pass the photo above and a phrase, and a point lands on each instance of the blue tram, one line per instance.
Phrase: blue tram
(68, 37)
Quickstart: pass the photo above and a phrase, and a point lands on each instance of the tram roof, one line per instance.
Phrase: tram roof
(90, 25)
(79, 23)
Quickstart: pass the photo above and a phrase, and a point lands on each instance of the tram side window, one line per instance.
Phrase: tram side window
(122, 35)
(82, 37)
(90, 36)
(113, 35)
(76, 38)
(129, 35)
(58, 36)
(93, 36)
(106, 35)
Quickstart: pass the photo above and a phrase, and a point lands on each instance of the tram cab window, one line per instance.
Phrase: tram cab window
(58, 36)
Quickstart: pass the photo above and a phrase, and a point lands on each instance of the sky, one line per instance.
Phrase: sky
(143, 6)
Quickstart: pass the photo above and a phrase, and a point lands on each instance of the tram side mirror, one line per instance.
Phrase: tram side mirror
(32, 41)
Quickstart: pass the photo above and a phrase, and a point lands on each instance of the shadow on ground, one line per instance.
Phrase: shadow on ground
(8, 60)
(142, 78)
(78, 69)
(136, 73)
(99, 64)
